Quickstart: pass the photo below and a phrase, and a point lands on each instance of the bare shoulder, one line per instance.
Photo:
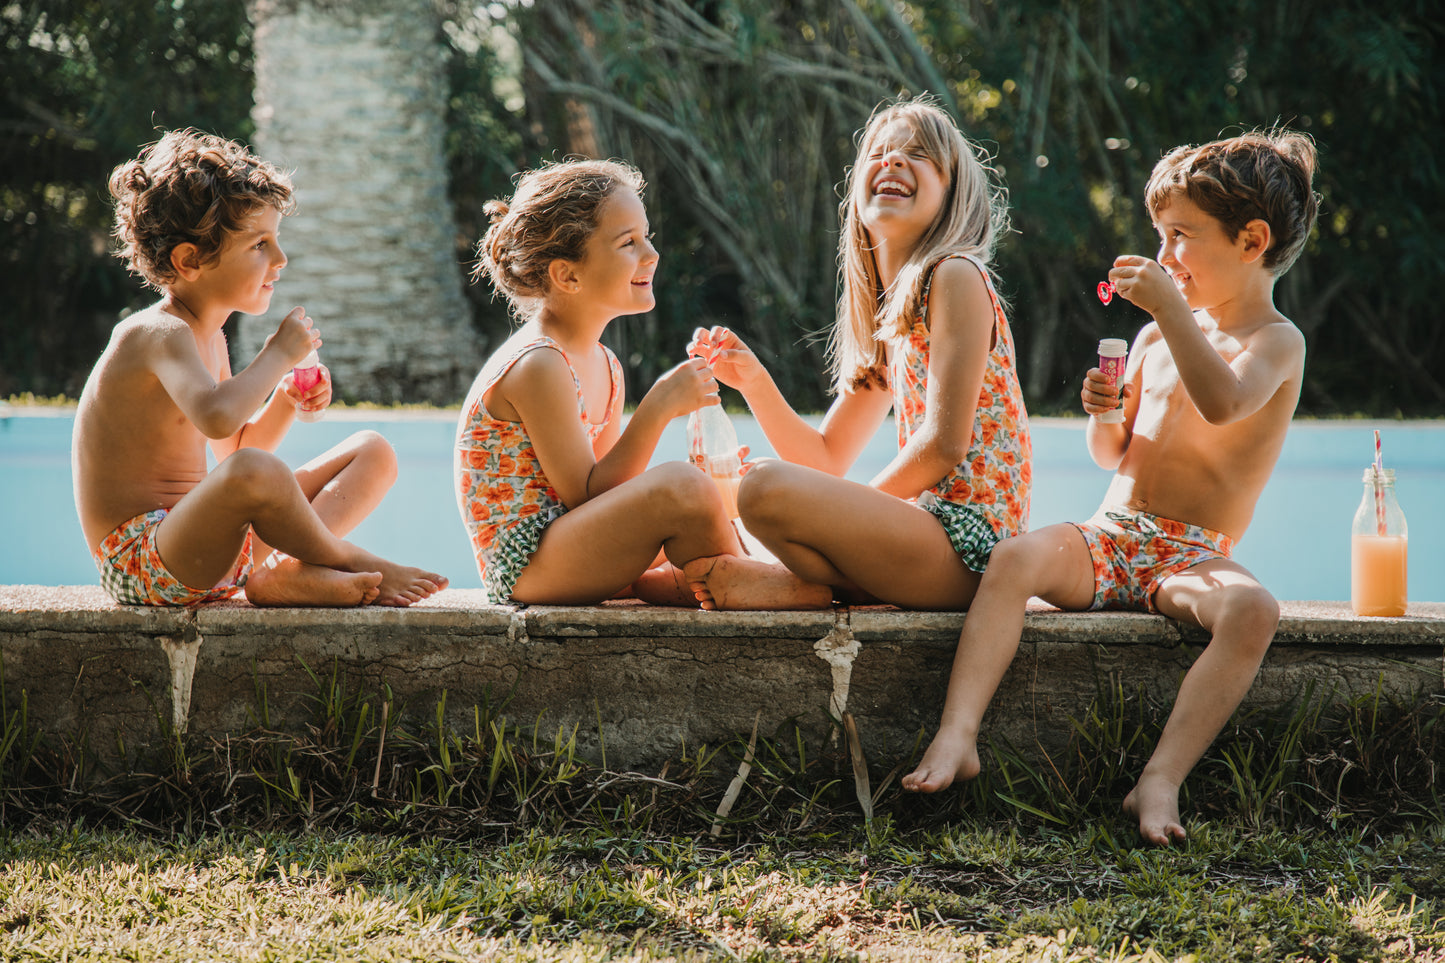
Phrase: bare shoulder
(541, 372)
(1278, 342)
(959, 299)
(152, 331)
(1278, 331)
(1147, 336)
(543, 364)
(960, 277)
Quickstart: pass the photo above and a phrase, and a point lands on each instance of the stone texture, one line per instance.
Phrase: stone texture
(351, 97)
(638, 682)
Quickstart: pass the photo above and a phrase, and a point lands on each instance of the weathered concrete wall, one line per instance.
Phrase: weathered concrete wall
(351, 97)
(645, 680)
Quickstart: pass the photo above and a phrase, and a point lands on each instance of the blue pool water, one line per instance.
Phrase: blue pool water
(1298, 544)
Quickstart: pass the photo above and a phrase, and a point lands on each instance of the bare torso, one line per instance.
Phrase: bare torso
(132, 449)
(1180, 466)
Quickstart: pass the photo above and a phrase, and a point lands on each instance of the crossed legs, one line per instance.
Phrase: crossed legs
(830, 534)
(639, 534)
(298, 520)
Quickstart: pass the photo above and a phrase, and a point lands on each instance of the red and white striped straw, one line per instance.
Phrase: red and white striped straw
(1379, 487)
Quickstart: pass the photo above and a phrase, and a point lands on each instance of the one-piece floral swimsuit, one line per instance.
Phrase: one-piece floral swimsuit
(985, 498)
(505, 500)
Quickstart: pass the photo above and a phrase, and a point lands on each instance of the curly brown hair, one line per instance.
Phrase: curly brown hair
(551, 215)
(189, 187)
(1261, 174)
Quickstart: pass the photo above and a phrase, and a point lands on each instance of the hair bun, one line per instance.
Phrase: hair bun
(496, 210)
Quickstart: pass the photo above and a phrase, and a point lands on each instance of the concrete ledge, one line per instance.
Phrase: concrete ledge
(646, 680)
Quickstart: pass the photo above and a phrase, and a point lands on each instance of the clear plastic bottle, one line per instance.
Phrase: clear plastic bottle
(1379, 549)
(305, 375)
(712, 445)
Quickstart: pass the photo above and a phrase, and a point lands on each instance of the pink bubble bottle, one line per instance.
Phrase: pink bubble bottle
(306, 375)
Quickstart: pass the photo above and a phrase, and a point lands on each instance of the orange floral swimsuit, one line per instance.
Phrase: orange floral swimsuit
(505, 500)
(132, 572)
(986, 497)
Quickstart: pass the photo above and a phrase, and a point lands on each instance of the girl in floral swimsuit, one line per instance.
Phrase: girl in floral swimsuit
(922, 331)
(556, 497)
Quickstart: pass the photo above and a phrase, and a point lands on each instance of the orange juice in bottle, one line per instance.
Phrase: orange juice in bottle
(1379, 549)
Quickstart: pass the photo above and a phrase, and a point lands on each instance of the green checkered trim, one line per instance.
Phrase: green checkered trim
(512, 550)
(119, 586)
(969, 531)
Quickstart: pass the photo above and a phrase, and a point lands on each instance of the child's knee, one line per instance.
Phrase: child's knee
(254, 473)
(379, 455)
(760, 491)
(1249, 613)
(678, 489)
(1016, 562)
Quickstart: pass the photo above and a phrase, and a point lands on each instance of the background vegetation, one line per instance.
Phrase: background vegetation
(742, 112)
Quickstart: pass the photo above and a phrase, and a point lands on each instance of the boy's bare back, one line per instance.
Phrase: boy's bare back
(133, 449)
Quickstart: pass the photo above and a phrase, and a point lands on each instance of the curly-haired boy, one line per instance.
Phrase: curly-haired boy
(198, 218)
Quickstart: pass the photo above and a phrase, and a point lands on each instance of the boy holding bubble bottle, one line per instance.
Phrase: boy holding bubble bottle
(1208, 392)
(198, 218)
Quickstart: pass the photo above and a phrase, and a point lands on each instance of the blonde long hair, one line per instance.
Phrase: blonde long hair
(973, 217)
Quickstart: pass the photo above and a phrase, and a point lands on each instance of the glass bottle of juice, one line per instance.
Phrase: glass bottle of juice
(1379, 546)
(712, 445)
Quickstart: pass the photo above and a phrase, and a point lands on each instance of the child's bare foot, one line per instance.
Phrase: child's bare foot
(402, 585)
(284, 581)
(1154, 801)
(950, 757)
(734, 582)
(664, 585)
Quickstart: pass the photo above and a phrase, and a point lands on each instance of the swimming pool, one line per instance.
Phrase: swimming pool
(1298, 544)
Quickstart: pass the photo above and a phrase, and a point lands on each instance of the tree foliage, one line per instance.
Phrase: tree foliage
(742, 111)
(86, 83)
(742, 114)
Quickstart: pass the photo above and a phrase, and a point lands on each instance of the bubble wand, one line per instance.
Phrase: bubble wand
(1112, 355)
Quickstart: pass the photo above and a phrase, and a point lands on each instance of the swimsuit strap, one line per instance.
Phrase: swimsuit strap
(519, 352)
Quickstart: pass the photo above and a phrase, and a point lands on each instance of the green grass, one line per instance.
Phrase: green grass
(972, 891)
(1316, 834)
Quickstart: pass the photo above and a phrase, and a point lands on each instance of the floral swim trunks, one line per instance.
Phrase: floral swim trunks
(1134, 552)
(132, 573)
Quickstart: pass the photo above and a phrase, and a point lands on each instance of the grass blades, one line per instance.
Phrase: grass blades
(454, 833)
(973, 891)
(366, 763)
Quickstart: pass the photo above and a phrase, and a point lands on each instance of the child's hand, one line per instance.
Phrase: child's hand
(1144, 283)
(685, 388)
(295, 337)
(733, 362)
(744, 466)
(1099, 396)
(315, 398)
